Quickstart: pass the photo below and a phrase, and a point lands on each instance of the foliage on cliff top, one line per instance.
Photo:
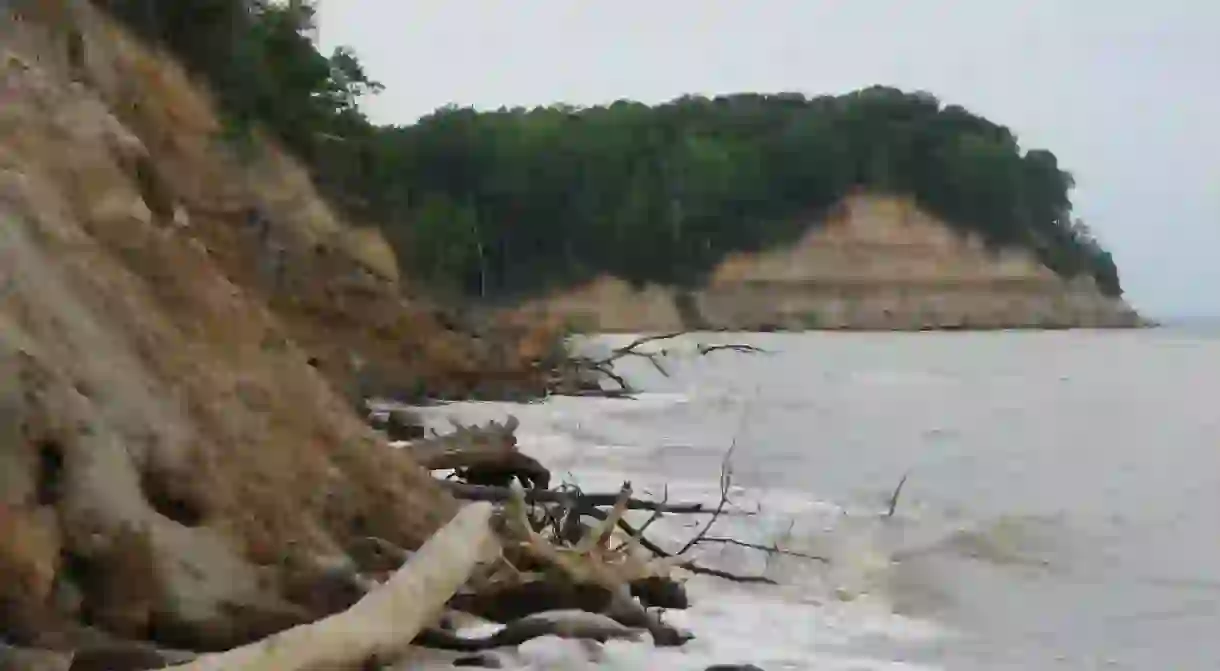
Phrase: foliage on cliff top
(513, 201)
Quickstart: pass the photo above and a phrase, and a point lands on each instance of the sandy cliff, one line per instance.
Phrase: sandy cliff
(179, 334)
(610, 304)
(876, 262)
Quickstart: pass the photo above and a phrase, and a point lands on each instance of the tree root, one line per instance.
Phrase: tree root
(592, 561)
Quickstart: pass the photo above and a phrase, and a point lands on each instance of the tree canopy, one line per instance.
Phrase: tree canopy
(514, 201)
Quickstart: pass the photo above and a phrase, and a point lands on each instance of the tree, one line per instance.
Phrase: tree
(516, 201)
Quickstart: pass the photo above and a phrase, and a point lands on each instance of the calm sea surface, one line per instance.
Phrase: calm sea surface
(1062, 509)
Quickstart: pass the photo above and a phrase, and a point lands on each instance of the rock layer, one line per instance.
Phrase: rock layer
(876, 262)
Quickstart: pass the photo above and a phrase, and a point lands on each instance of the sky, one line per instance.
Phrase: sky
(1125, 92)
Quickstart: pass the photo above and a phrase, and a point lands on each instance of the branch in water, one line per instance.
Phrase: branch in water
(605, 366)
(896, 494)
(501, 494)
(769, 549)
(689, 565)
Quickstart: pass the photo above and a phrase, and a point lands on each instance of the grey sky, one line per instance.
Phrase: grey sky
(1125, 92)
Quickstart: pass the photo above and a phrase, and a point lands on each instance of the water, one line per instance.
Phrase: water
(1060, 511)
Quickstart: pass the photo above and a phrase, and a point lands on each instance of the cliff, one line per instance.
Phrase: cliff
(182, 333)
(875, 262)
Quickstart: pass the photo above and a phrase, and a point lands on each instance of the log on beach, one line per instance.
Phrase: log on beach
(382, 625)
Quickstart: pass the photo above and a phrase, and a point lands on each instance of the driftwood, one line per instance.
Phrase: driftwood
(550, 565)
(552, 561)
(893, 504)
(470, 492)
(592, 561)
(651, 589)
(582, 375)
(578, 624)
(726, 483)
(382, 624)
(676, 560)
(485, 455)
(513, 601)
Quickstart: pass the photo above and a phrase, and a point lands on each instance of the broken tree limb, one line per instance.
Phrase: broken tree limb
(469, 492)
(738, 348)
(769, 549)
(571, 375)
(893, 507)
(685, 564)
(482, 454)
(592, 561)
(726, 484)
(382, 624)
(573, 624)
(510, 602)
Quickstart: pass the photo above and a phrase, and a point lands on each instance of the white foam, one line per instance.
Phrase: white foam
(797, 625)
(739, 626)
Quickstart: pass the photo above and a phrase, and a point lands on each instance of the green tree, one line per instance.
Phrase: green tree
(515, 201)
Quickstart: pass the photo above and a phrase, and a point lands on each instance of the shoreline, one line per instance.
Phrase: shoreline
(1148, 325)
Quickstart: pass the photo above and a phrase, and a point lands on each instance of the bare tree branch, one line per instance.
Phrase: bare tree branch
(740, 349)
(896, 494)
(573, 366)
(689, 565)
(726, 478)
(468, 492)
(769, 549)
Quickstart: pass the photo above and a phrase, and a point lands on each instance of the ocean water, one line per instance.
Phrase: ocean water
(1061, 509)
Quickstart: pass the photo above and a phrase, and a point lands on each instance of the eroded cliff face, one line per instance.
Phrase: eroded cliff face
(179, 329)
(609, 304)
(880, 262)
(876, 262)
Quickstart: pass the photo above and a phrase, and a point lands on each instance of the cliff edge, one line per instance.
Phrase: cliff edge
(183, 331)
(874, 262)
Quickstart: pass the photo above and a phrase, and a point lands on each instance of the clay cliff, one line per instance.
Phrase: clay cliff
(182, 333)
(875, 262)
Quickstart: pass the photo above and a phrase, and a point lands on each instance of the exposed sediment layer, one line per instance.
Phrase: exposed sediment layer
(181, 337)
(876, 262)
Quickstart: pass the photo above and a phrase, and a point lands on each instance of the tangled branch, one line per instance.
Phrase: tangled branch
(571, 371)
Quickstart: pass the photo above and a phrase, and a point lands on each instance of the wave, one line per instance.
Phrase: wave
(817, 618)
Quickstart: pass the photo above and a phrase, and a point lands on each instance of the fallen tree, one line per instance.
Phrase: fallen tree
(579, 375)
(524, 557)
(382, 624)
(494, 448)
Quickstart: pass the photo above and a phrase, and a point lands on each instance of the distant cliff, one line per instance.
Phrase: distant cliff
(874, 262)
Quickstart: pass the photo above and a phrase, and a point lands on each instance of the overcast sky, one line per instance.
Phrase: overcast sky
(1125, 92)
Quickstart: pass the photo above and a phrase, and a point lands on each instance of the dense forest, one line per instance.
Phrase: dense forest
(509, 202)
